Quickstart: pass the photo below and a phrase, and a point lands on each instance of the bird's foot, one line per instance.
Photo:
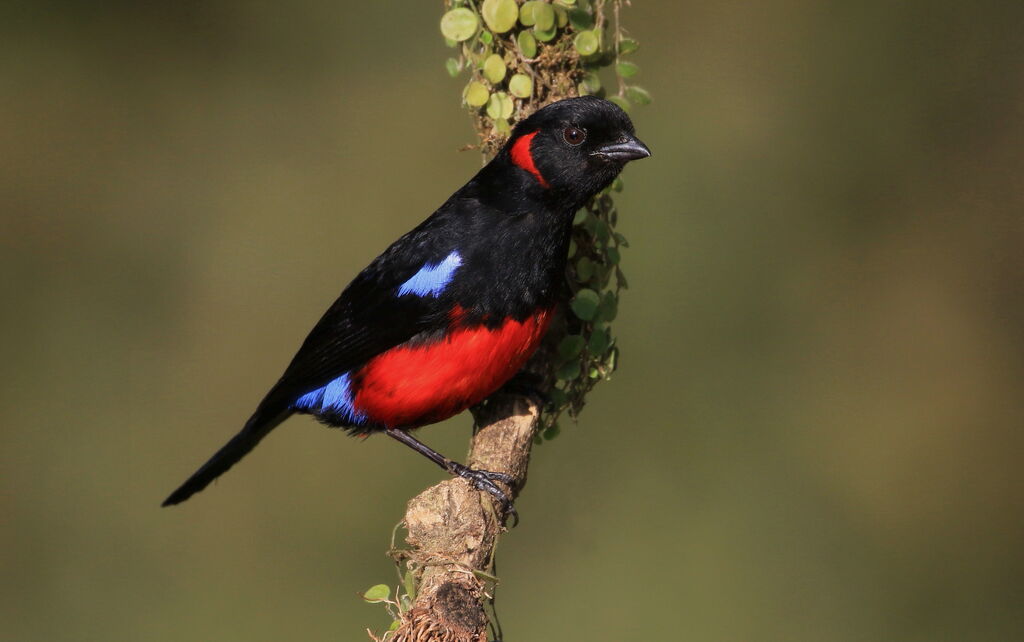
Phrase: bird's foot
(484, 480)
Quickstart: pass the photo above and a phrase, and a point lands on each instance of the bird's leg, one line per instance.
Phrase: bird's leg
(480, 479)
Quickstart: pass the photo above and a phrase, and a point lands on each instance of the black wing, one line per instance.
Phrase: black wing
(367, 319)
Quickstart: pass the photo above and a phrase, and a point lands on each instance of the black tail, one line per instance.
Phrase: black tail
(255, 429)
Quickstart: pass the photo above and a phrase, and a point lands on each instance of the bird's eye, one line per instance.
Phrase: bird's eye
(574, 135)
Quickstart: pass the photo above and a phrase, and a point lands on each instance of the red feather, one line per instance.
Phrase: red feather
(522, 157)
(413, 386)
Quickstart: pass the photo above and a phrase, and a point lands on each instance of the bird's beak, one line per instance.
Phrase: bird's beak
(625, 149)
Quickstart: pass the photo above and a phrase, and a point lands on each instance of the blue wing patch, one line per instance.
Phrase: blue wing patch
(432, 279)
(336, 397)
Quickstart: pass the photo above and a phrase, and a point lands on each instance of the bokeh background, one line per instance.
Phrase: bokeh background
(816, 430)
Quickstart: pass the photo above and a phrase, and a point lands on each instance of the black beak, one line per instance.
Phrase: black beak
(625, 149)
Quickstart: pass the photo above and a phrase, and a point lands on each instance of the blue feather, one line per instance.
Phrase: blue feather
(336, 396)
(432, 279)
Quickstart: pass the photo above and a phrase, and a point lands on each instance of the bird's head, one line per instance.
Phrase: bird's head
(575, 147)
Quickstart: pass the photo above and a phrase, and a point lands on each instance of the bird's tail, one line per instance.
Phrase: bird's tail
(255, 429)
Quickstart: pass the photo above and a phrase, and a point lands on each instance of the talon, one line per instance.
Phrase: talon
(484, 480)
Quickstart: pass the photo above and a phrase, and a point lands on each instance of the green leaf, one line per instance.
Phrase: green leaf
(621, 102)
(453, 67)
(581, 215)
(526, 15)
(617, 184)
(500, 15)
(394, 625)
(409, 581)
(557, 397)
(476, 94)
(544, 36)
(621, 240)
(599, 342)
(613, 255)
(585, 303)
(584, 269)
(567, 3)
(628, 46)
(459, 24)
(507, 104)
(494, 107)
(639, 95)
(627, 69)
(592, 82)
(377, 593)
(527, 44)
(569, 371)
(486, 37)
(580, 19)
(502, 127)
(571, 346)
(552, 431)
(586, 43)
(601, 231)
(561, 16)
(544, 17)
(521, 86)
(494, 69)
(608, 308)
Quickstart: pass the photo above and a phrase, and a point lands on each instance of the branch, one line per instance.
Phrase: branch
(453, 529)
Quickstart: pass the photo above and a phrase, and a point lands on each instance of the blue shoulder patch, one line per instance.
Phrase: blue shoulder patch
(336, 396)
(432, 279)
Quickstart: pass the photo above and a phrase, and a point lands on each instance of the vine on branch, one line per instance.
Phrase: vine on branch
(520, 56)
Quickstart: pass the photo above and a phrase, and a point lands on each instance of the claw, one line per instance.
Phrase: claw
(484, 480)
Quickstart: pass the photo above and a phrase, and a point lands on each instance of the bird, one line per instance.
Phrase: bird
(453, 309)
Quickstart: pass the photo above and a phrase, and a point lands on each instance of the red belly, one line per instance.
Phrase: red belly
(413, 386)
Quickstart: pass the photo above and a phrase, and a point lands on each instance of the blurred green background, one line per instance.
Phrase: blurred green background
(816, 430)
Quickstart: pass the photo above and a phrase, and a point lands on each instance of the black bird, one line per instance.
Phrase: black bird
(453, 309)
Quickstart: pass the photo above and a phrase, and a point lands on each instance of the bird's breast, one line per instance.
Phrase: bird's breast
(416, 384)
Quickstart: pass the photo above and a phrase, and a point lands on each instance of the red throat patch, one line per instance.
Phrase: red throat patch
(522, 157)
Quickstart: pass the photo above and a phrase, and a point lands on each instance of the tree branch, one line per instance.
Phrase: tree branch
(453, 529)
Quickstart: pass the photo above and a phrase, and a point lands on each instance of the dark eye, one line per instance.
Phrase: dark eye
(574, 135)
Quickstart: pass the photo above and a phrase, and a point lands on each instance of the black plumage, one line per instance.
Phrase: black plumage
(483, 269)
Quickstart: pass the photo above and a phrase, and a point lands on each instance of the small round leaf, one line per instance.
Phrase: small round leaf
(639, 95)
(628, 45)
(585, 303)
(571, 346)
(494, 106)
(627, 69)
(453, 67)
(521, 86)
(586, 43)
(459, 24)
(569, 371)
(507, 105)
(476, 94)
(527, 44)
(377, 593)
(545, 36)
(500, 15)
(494, 69)
(544, 16)
(580, 19)
(561, 16)
(526, 13)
